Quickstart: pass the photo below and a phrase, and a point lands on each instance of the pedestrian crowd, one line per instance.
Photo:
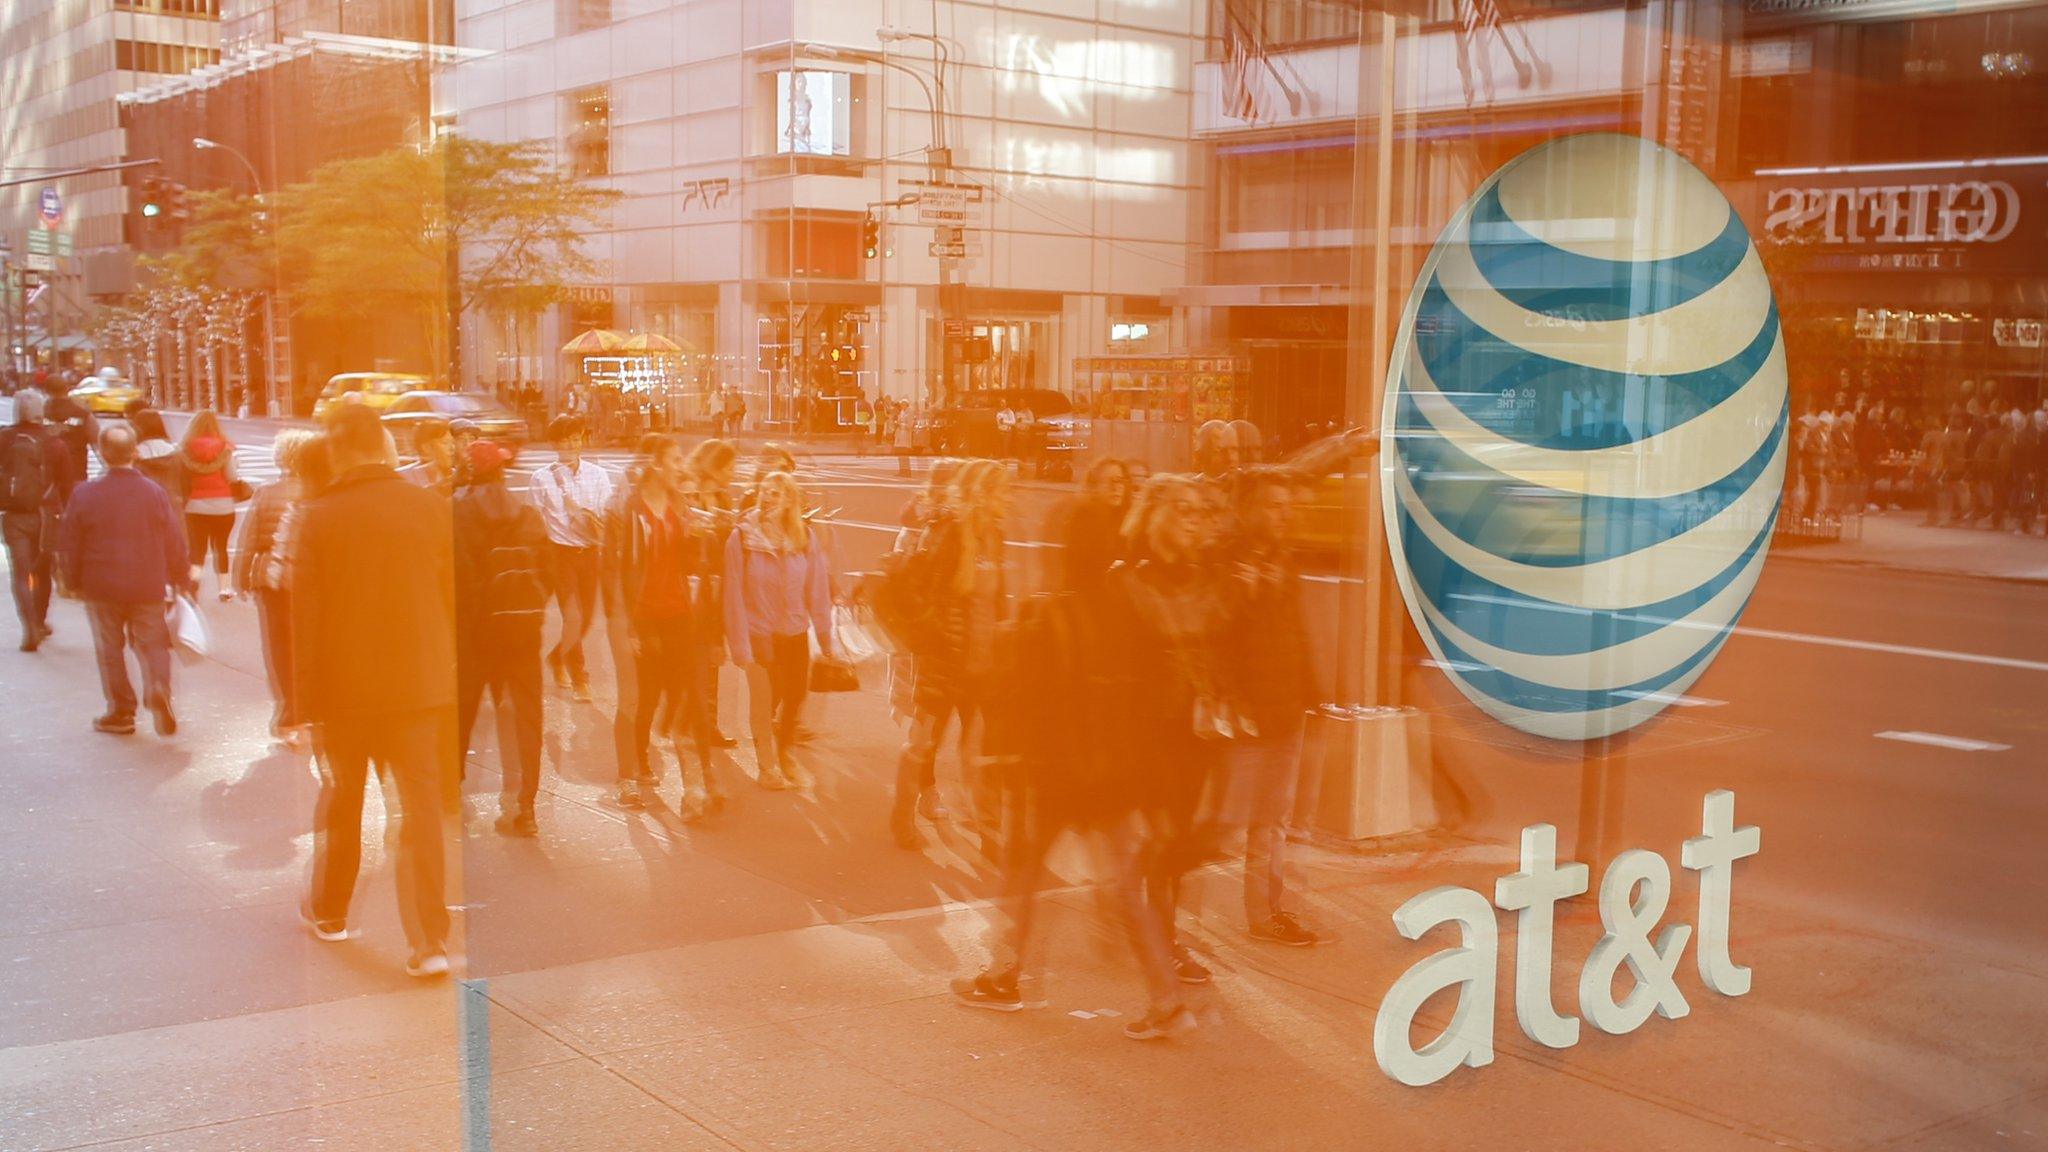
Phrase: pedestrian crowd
(1149, 708)
(1978, 461)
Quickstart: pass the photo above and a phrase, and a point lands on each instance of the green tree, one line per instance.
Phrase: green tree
(432, 233)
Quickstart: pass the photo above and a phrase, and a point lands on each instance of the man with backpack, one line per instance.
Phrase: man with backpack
(35, 482)
(500, 599)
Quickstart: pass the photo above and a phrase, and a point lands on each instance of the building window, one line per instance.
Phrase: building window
(195, 9)
(583, 15)
(1280, 24)
(170, 59)
(590, 132)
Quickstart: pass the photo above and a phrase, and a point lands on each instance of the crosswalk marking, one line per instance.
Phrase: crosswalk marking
(1937, 740)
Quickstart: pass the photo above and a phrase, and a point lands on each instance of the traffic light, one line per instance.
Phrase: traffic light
(152, 197)
(871, 237)
(174, 201)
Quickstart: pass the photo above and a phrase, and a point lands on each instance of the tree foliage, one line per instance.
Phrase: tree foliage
(430, 234)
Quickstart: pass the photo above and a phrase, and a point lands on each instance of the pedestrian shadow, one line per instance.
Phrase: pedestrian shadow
(261, 814)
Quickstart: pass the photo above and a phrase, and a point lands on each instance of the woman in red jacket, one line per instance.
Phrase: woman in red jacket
(208, 463)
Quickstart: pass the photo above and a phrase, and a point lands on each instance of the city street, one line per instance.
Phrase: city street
(776, 978)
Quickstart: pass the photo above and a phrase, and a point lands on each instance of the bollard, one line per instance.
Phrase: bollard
(1368, 773)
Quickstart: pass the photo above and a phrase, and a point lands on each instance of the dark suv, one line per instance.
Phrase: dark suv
(1054, 439)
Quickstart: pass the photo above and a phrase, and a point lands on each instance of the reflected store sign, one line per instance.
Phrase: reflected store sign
(1956, 212)
(1587, 402)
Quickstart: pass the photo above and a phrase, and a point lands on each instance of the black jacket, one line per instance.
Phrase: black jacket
(373, 599)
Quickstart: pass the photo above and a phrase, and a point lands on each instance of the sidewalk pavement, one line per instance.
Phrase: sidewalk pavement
(1901, 540)
(776, 979)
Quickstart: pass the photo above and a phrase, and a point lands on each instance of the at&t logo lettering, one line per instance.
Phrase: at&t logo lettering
(1634, 894)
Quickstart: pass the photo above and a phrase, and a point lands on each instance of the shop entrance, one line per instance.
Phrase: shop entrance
(813, 359)
(1297, 389)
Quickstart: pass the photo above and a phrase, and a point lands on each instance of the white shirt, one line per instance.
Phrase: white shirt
(564, 496)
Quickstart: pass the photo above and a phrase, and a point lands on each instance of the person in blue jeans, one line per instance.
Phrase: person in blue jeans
(122, 550)
(778, 588)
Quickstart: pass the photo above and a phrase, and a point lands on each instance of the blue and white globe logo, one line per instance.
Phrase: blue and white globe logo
(1588, 406)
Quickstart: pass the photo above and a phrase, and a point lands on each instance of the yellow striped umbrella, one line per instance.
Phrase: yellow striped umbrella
(595, 342)
(649, 342)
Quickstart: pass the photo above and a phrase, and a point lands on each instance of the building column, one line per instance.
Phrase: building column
(900, 333)
(1084, 329)
(739, 337)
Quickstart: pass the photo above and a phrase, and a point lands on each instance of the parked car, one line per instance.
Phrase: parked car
(1056, 437)
(493, 420)
(379, 390)
(106, 393)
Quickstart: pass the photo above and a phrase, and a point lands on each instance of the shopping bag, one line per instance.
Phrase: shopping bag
(855, 640)
(188, 630)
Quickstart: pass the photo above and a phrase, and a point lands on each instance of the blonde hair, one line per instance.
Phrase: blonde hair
(1142, 524)
(289, 447)
(976, 488)
(790, 526)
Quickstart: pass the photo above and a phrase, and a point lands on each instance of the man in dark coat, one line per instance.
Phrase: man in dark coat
(373, 619)
(123, 552)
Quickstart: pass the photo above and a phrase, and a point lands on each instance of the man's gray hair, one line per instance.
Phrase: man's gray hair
(117, 446)
(29, 406)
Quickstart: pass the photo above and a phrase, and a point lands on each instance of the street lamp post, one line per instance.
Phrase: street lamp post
(7, 300)
(941, 157)
(270, 371)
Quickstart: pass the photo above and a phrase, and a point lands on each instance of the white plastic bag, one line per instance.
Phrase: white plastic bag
(856, 642)
(188, 630)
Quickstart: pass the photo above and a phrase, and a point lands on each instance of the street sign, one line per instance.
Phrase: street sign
(50, 207)
(946, 203)
(948, 251)
(47, 242)
(39, 262)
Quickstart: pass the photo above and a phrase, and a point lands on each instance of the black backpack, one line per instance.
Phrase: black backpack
(25, 485)
(514, 593)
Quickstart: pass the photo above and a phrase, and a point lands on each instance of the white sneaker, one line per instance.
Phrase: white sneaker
(428, 966)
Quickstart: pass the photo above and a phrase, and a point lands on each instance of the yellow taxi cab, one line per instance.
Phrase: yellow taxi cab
(1542, 515)
(376, 390)
(107, 393)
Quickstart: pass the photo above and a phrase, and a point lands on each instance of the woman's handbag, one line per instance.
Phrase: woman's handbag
(834, 675)
(241, 490)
